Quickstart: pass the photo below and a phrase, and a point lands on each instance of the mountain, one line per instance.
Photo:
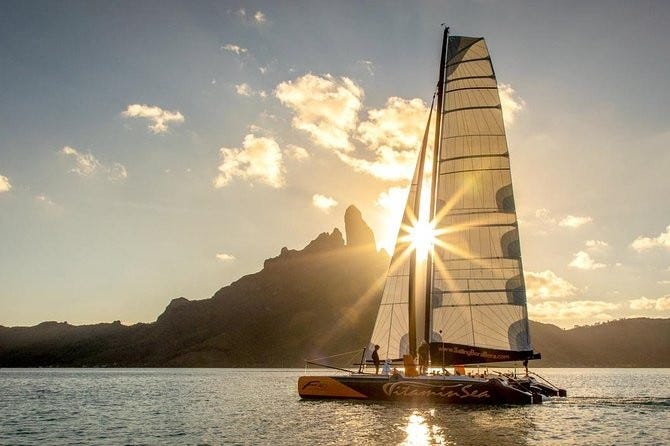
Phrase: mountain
(302, 304)
(307, 303)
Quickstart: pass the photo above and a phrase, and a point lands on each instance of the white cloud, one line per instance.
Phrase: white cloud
(547, 285)
(325, 107)
(159, 117)
(553, 311)
(44, 199)
(572, 221)
(393, 202)
(324, 203)
(400, 124)
(5, 185)
(663, 282)
(644, 243)
(297, 152)
(643, 303)
(259, 159)
(583, 260)
(368, 65)
(225, 257)
(259, 17)
(544, 215)
(234, 48)
(596, 244)
(244, 89)
(87, 165)
(510, 102)
(390, 165)
(393, 134)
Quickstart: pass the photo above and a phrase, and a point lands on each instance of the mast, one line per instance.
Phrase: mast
(411, 300)
(433, 186)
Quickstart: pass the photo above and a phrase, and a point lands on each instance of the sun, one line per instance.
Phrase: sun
(423, 237)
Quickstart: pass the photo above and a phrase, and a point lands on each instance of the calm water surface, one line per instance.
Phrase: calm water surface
(261, 406)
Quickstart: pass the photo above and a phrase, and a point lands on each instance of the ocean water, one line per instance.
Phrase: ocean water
(261, 406)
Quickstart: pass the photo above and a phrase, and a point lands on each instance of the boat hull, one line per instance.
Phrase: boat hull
(438, 389)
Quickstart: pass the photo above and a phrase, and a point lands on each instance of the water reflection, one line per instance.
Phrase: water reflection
(419, 433)
(450, 425)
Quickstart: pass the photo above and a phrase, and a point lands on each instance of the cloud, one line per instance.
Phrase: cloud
(368, 65)
(596, 244)
(544, 215)
(553, 311)
(394, 134)
(583, 260)
(325, 107)
(225, 257)
(547, 285)
(644, 243)
(159, 117)
(324, 203)
(393, 202)
(87, 165)
(259, 159)
(5, 185)
(259, 17)
(232, 48)
(574, 222)
(643, 303)
(46, 201)
(510, 102)
(296, 152)
(244, 89)
(389, 165)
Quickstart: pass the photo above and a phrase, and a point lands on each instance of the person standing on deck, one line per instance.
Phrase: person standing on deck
(375, 359)
(424, 353)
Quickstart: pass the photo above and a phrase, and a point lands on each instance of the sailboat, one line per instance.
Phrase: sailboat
(465, 302)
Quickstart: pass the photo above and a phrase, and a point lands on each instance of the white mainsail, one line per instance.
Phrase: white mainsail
(478, 295)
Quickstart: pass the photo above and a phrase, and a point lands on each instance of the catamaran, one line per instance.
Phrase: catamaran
(466, 298)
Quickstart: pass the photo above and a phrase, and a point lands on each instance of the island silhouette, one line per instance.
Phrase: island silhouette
(308, 303)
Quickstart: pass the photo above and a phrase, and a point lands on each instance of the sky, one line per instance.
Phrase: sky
(157, 149)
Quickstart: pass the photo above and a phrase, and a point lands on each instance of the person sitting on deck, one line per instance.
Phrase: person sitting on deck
(386, 369)
(410, 367)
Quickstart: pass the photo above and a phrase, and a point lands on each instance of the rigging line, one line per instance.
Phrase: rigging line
(334, 356)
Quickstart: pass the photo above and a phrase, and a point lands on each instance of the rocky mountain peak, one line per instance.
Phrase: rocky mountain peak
(358, 232)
